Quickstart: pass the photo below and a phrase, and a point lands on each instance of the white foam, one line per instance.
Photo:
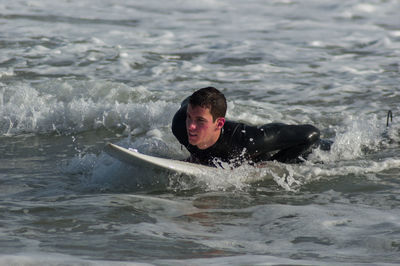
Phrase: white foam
(395, 33)
(368, 169)
(55, 259)
(78, 107)
(7, 73)
(367, 8)
(356, 71)
(357, 134)
(264, 260)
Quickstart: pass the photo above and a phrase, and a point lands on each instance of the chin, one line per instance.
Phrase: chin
(194, 143)
(193, 140)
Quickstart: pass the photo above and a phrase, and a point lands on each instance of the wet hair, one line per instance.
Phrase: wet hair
(212, 98)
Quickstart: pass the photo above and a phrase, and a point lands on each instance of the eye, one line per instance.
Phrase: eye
(201, 121)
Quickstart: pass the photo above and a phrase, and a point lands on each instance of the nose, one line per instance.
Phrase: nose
(191, 125)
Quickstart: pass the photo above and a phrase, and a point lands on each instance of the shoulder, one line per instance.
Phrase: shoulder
(234, 133)
(232, 127)
(241, 135)
(237, 129)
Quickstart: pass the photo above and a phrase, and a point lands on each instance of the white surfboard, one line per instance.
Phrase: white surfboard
(139, 159)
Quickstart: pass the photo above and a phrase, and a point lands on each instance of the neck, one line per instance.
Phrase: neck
(212, 141)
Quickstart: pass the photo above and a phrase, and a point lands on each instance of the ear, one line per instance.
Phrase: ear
(220, 122)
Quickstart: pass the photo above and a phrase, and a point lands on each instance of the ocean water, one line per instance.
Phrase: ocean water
(75, 75)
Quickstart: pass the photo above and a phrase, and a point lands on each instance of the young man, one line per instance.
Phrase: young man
(201, 127)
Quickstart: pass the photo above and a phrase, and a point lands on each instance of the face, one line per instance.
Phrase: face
(202, 131)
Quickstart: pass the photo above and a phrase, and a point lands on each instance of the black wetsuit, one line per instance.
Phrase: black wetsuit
(240, 143)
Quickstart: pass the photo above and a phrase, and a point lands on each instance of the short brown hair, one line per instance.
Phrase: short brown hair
(212, 98)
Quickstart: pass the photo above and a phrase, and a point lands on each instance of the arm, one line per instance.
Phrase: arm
(281, 136)
(291, 141)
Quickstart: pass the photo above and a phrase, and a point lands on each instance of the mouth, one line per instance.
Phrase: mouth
(192, 135)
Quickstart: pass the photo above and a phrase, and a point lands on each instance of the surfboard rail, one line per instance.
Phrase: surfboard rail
(134, 157)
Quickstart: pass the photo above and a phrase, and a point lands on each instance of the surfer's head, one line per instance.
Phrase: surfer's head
(210, 98)
(205, 117)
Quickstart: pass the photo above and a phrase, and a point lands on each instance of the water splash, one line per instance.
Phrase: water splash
(74, 107)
